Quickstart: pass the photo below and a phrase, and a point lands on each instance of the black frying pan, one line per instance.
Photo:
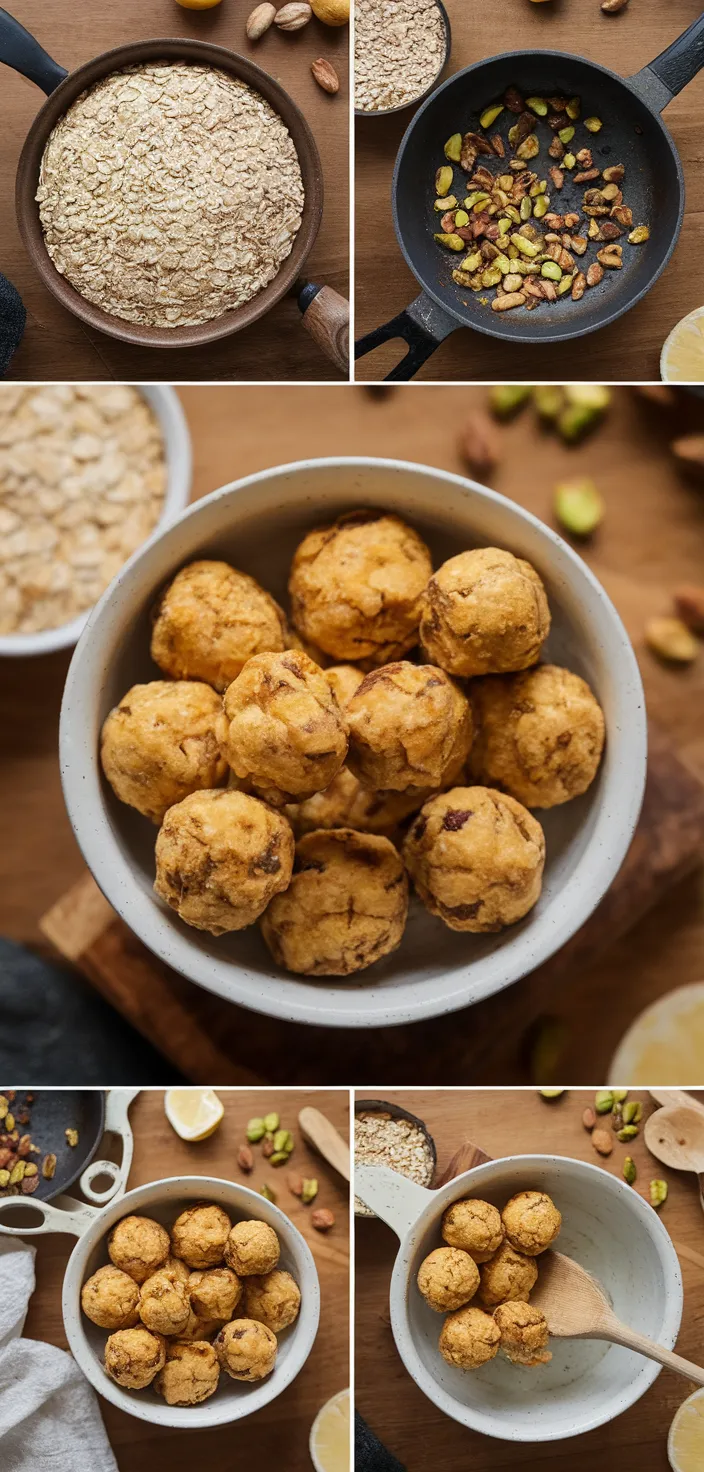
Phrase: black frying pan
(633, 134)
(51, 1114)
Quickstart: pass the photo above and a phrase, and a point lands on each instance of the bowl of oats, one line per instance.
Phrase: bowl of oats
(401, 49)
(168, 192)
(88, 472)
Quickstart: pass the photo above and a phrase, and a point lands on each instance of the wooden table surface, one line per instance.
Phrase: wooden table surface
(652, 540)
(502, 1123)
(56, 344)
(158, 1152)
(630, 348)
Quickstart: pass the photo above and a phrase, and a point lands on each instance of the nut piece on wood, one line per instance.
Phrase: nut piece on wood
(612, 6)
(589, 1119)
(479, 442)
(294, 16)
(671, 640)
(602, 1140)
(245, 1158)
(689, 450)
(325, 75)
(323, 1219)
(689, 602)
(260, 20)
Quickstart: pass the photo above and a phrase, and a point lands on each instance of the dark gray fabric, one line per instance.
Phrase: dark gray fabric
(12, 323)
(369, 1454)
(54, 1029)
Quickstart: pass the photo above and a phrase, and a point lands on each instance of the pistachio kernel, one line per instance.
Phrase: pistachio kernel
(629, 1170)
(658, 1193)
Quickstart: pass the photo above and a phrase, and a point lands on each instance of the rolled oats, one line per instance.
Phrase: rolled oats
(169, 194)
(82, 483)
(399, 50)
(397, 1143)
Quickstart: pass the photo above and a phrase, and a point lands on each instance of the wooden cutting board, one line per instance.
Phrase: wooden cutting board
(500, 1040)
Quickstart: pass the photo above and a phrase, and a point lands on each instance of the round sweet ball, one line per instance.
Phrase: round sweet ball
(469, 1339)
(210, 620)
(475, 1227)
(134, 1356)
(215, 1293)
(163, 741)
(199, 1327)
(252, 1247)
(345, 908)
(506, 1276)
(138, 1246)
(347, 804)
(286, 734)
(356, 587)
(531, 1222)
(476, 858)
(109, 1299)
(484, 612)
(246, 1350)
(540, 735)
(199, 1235)
(190, 1375)
(345, 679)
(272, 1299)
(221, 856)
(447, 1279)
(524, 1333)
(177, 1268)
(164, 1305)
(410, 728)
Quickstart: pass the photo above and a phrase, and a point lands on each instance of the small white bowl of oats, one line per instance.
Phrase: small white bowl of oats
(88, 472)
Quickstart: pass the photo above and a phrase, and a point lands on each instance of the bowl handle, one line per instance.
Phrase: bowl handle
(20, 50)
(63, 1215)
(398, 1201)
(116, 1123)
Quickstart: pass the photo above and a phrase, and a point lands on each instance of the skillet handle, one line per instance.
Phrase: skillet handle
(21, 51)
(62, 1215)
(117, 1123)
(673, 69)
(326, 316)
(423, 326)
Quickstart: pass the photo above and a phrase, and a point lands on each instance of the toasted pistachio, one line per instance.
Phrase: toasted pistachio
(505, 181)
(671, 640)
(541, 206)
(525, 209)
(573, 108)
(538, 105)
(461, 219)
(579, 509)
(267, 1192)
(565, 284)
(611, 192)
(448, 203)
(503, 263)
(566, 135)
(529, 148)
(256, 1130)
(450, 241)
(492, 276)
(17, 1173)
(443, 179)
(593, 125)
(504, 227)
(4, 1179)
(513, 214)
(507, 302)
(283, 1140)
(490, 114)
(310, 1191)
(463, 278)
(551, 1093)
(453, 148)
(629, 1170)
(638, 235)
(526, 247)
(279, 1157)
(569, 161)
(604, 1101)
(633, 1112)
(628, 1132)
(472, 261)
(548, 399)
(551, 271)
(506, 399)
(512, 281)
(658, 1193)
(480, 204)
(271, 1123)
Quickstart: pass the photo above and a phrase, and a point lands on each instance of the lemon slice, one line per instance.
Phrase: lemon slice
(682, 358)
(685, 1444)
(330, 1435)
(193, 1113)
(665, 1044)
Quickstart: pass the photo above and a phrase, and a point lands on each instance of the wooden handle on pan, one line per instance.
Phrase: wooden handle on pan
(326, 316)
(464, 1159)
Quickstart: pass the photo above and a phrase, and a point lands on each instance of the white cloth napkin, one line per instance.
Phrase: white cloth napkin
(49, 1415)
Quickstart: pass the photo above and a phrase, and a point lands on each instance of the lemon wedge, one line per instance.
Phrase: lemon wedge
(193, 1113)
(685, 1444)
(682, 358)
(665, 1044)
(330, 1435)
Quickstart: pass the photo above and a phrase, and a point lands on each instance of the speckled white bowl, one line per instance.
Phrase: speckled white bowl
(164, 1200)
(256, 523)
(607, 1227)
(177, 448)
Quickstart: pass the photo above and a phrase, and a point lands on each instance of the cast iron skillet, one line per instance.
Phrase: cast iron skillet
(21, 51)
(633, 134)
(52, 1113)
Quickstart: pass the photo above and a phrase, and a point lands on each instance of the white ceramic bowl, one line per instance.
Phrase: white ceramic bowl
(256, 523)
(164, 1200)
(607, 1227)
(177, 447)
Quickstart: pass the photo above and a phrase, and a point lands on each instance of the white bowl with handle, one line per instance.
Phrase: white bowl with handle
(256, 524)
(606, 1227)
(165, 1200)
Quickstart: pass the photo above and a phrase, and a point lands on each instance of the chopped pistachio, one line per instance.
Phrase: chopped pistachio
(507, 398)
(569, 161)
(604, 1101)
(619, 1095)
(579, 509)
(453, 148)
(461, 218)
(551, 271)
(271, 1123)
(309, 1192)
(541, 206)
(658, 1193)
(449, 202)
(633, 1112)
(529, 148)
(548, 397)
(526, 247)
(566, 135)
(573, 108)
(639, 235)
(471, 262)
(565, 284)
(490, 114)
(443, 179)
(629, 1170)
(504, 227)
(451, 242)
(492, 276)
(267, 1193)
(628, 1132)
(279, 1157)
(526, 208)
(256, 1130)
(537, 105)
(593, 125)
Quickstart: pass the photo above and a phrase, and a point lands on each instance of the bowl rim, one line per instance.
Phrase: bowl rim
(304, 1331)
(673, 1295)
(315, 1003)
(171, 417)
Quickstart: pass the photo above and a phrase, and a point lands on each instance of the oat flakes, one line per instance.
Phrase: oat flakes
(170, 194)
(399, 50)
(82, 483)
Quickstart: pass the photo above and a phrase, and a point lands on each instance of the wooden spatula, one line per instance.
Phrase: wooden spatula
(576, 1307)
(675, 1136)
(324, 1138)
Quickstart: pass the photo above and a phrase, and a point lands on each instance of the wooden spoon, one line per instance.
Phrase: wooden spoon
(324, 1138)
(675, 1136)
(576, 1307)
